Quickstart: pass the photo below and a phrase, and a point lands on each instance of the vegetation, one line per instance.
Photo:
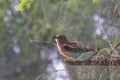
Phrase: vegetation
(81, 20)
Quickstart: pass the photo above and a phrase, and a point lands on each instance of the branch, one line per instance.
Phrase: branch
(105, 62)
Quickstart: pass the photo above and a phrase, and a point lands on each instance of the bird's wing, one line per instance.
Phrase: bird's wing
(74, 48)
(77, 53)
(77, 46)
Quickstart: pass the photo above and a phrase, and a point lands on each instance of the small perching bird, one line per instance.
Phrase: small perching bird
(70, 50)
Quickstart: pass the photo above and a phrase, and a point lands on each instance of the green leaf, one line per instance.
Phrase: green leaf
(95, 1)
(24, 4)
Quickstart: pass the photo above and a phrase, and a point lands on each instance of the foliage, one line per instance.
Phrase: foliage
(24, 3)
(21, 20)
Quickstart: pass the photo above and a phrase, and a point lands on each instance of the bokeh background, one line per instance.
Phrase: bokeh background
(85, 21)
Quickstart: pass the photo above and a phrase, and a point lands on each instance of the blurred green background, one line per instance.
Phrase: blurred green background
(84, 21)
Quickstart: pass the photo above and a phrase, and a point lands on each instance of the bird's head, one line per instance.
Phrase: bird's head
(60, 38)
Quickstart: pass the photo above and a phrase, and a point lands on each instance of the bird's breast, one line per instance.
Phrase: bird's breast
(62, 51)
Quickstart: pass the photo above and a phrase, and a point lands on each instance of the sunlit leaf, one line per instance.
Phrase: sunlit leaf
(24, 4)
(95, 1)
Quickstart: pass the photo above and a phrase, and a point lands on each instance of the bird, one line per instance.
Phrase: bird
(70, 49)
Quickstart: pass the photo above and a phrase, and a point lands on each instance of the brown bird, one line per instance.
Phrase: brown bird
(70, 49)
